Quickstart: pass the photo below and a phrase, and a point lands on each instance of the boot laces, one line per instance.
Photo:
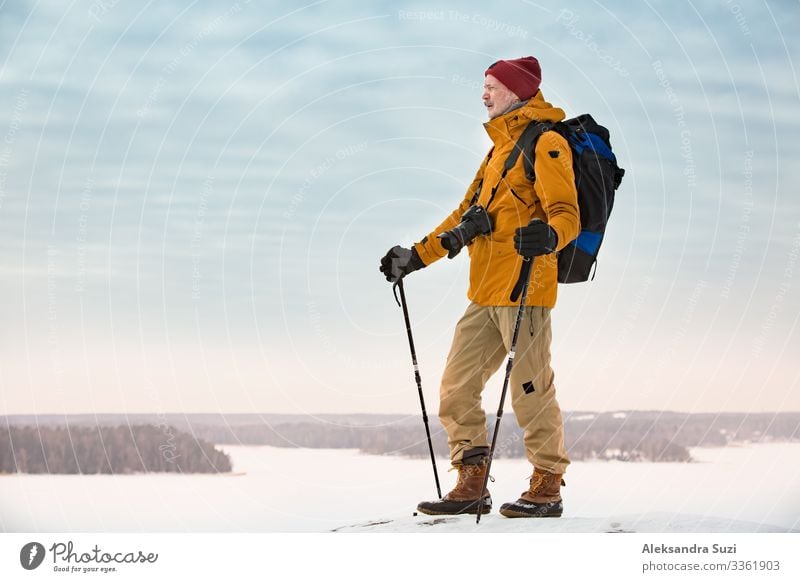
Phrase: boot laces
(460, 480)
(536, 481)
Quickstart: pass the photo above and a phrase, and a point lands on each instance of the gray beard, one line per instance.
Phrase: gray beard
(513, 106)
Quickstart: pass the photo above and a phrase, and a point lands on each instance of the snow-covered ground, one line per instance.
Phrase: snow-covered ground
(734, 489)
(494, 523)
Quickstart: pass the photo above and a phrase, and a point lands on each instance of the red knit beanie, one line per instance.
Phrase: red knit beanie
(522, 76)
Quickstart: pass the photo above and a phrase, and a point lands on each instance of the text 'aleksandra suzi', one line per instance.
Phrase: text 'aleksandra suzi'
(693, 549)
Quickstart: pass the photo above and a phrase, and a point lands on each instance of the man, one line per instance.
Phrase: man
(514, 218)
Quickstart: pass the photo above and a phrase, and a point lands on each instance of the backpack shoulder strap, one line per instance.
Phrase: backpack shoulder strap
(526, 144)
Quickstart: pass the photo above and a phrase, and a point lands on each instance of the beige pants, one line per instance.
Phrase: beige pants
(480, 345)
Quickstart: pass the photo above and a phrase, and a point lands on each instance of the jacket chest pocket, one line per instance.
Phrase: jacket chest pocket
(519, 189)
(510, 210)
(511, 190)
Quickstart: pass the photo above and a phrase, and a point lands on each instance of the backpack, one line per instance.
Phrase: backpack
(597, 176)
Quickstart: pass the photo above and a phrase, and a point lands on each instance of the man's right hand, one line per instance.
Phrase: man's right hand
(538, 238)
(399, 262)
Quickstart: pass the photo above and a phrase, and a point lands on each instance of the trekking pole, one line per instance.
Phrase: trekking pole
(399, 285)
(525, 277)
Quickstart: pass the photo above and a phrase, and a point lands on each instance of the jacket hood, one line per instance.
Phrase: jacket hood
(540, 110)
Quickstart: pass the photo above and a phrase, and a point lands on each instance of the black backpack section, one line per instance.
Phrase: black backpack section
(597, 177)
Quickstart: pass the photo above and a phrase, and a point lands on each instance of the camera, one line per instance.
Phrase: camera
(475, 222)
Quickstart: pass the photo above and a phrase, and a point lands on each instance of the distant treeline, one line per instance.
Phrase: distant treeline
(626, 436)
(409, 440)
(106, 449)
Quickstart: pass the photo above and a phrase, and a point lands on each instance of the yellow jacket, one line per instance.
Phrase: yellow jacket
(494, 262)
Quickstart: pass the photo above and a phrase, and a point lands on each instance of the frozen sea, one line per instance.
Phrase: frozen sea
(288, 490)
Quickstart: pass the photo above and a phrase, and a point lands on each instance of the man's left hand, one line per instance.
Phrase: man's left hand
(538, 238)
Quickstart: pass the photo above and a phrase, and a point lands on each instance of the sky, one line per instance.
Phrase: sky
(194, 198)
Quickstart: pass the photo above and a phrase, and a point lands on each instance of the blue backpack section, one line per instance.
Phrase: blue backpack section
(579, 142)
(589, 242)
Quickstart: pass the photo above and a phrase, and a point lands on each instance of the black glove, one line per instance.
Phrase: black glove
(399, 262)
(538, 238)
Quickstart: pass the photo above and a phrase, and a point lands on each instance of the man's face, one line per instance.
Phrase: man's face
(497, 97)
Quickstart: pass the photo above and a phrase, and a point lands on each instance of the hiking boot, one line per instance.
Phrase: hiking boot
(464, 497)
(542, 499)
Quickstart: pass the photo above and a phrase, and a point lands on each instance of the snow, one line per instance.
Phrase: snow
(745, 488)
(730, 489)
(583, 417)
(496, 523)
